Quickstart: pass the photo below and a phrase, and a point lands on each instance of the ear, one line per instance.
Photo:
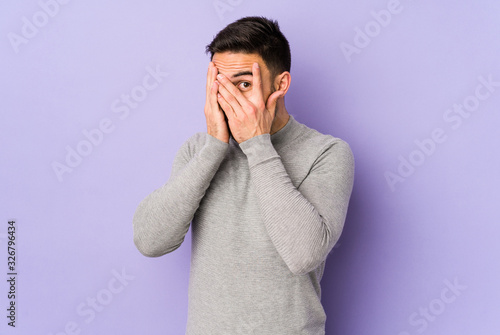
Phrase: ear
(282, 82)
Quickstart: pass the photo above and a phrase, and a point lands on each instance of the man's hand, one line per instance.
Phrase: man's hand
(247, 117)
(216, 123)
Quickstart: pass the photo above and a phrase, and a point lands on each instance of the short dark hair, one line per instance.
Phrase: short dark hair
(258, 35)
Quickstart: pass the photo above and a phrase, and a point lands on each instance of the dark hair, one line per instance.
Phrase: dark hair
(258, 35)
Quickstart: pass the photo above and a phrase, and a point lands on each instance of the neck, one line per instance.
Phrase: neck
(281, 117)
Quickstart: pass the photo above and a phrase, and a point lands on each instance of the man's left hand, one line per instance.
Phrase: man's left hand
(247, 117)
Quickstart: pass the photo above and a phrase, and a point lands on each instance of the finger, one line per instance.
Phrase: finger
(226, 107)
(272, 101)
(209, 82)
(212, 72)
(230, 99)
(214, 104)
(229, 87)
(257, 83)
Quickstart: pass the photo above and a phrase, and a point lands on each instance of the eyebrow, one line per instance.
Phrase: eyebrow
(243, 73)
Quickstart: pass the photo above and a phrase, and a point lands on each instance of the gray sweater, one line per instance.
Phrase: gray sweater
(265, 214)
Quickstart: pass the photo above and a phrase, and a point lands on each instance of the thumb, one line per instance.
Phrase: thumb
(273, 100)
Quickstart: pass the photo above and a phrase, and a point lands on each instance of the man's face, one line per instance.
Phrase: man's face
(238, 68)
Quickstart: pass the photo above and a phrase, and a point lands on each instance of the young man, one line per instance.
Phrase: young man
(267, 196)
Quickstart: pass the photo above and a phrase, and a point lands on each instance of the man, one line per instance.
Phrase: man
(267, 196)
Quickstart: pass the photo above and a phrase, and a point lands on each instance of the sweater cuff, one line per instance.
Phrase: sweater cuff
(258, 149)
(213, 148)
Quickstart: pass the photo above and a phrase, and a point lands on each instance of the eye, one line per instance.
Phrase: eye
(244, 86)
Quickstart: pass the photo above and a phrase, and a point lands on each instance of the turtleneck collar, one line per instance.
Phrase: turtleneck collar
(283, 135)
(280, 137)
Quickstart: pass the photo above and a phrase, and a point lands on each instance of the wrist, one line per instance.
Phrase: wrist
(258, 149)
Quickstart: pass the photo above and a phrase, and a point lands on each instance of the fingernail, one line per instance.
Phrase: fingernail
(257, 65)
(220, 76)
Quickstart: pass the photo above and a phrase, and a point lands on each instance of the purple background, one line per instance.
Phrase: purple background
(402, 246)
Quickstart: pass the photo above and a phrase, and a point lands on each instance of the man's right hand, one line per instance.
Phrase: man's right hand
(216, 123)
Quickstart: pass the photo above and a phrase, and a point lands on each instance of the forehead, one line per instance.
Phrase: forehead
(230, 63)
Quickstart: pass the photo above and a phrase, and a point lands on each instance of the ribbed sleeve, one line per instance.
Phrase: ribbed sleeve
(303, 223)
(162, 219)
